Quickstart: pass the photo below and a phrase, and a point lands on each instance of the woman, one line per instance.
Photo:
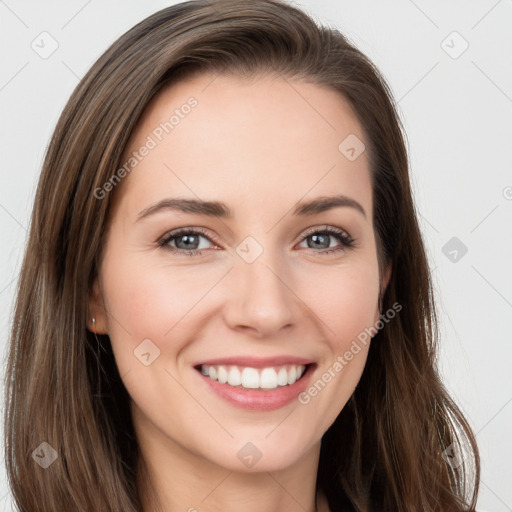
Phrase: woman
(225, 301)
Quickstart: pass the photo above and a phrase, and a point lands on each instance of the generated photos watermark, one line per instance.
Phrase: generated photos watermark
(152, 141)
(343, 359)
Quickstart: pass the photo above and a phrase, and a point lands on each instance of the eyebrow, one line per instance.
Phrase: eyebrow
(219, 209)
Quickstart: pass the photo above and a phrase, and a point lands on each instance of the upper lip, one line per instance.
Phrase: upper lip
(255, 362)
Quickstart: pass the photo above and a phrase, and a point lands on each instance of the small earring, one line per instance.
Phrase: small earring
(100, 346)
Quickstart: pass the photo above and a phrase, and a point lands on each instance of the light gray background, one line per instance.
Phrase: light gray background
(457, 115)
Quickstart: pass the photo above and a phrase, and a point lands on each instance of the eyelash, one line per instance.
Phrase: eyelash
(346, 240)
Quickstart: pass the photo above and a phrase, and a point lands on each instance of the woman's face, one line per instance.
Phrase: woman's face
(252, 287)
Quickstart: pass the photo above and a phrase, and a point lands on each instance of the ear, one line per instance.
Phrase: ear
(384, 284)
(386, 278)
(97, 310)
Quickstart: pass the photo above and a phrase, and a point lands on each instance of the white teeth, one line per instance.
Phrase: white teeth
(222, 375)
(282, 377)
(234, 376)
(292, 375)
(252, 378)
(268, 378)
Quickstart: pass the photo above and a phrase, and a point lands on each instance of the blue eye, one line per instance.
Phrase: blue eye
(321, 236)
(187, 238)
(187, 241)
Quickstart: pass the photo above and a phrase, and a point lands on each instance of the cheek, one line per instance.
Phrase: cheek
(347, 302)
(147, 302)
(354, 308)
(157, 302)
(348, 309)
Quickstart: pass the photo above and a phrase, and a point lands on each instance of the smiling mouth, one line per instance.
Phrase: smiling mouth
(262, 379)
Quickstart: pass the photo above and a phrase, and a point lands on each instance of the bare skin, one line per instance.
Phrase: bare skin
(260, 146)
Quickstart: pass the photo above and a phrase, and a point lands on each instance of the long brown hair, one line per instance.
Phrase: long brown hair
(386, 451)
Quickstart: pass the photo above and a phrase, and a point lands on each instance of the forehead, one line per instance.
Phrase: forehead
(246, 142)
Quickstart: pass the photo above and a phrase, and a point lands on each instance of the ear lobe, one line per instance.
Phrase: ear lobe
(97, 311)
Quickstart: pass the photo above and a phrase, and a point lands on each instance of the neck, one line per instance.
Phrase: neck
(172, 478)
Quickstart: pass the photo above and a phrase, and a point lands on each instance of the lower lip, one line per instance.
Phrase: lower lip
(255, 400)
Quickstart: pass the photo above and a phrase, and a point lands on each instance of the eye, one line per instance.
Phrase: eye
(184, 241)
(187, 241)
(320, 239)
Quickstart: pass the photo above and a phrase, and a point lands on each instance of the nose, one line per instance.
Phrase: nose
(260, 299)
